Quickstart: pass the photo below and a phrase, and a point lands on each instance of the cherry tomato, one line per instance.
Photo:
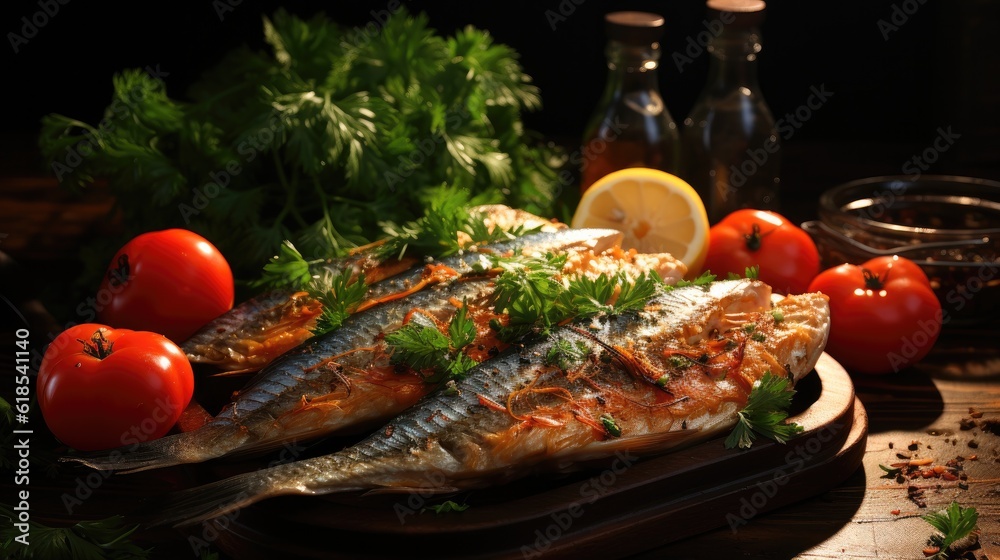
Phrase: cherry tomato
(785, 254)
(884, 315)
(171, 282)
(100, 388)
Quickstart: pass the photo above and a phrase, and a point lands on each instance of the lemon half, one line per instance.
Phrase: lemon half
(656, 211)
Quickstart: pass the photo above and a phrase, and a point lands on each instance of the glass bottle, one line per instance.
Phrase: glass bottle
(631, 126)
(731, 151)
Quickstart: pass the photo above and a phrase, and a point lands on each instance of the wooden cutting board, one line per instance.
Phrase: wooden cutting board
(620, 507)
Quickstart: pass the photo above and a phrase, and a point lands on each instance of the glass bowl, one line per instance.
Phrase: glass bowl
(948, 225)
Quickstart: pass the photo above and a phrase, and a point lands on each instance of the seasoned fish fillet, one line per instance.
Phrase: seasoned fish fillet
(344, 381)
(671, 375)
(252, 334)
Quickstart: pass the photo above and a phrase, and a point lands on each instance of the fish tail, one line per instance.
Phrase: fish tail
(205, 443)
(200, 504)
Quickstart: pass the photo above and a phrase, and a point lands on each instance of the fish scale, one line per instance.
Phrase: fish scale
(450, 441)
(220, 341)
(276, 406)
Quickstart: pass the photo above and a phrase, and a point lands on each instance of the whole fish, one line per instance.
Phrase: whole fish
(344, 381)
(254, 333)
(671, 375)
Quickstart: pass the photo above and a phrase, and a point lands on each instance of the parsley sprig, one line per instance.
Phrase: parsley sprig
(87, 540)
(530, 292)
(433, 235)
(438, 233)
(764, 414)
(701, 281)
(565, 354)
(954, 524)
(424, 347)
(319, 137)
(447, 507)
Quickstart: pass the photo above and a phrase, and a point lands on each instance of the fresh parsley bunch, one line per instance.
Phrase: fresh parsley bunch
(327, 139)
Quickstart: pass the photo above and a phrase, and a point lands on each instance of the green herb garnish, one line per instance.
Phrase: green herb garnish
(764, 414)
(340, 295)
(565, 354)
(420, 347)
(424, 347)
(701, 281)
(778, 316)
(610, 425)
(954, 523)
(87, 540)
(288, 269)
(634, 295)
(529, 293)
(461, 329)
(320, 138)
(679, 361)
(890, 472)
(447, 507)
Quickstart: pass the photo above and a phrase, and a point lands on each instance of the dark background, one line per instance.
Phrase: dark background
(938, 69)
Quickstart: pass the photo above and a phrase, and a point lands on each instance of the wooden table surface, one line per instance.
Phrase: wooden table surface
(923, 412)
(869, 515)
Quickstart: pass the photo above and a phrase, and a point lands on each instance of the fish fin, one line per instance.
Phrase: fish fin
(163, 452)
(152, 455)
(235, 372)
(202, 503)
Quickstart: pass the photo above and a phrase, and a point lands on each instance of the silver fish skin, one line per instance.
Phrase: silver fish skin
(306, 393)
(255, 332)
(519, 411)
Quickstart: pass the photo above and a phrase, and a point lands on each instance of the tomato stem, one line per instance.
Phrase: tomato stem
(753, 239)
(98, 347)
(872, 281)
(119, 276)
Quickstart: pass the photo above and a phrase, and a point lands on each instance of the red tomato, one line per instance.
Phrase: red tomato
(171, 282)
(884, 315)
(100, 388)
(787, 256)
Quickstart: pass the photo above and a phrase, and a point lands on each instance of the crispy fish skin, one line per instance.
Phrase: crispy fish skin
(254, 333)
(671, 375)
(341, 381)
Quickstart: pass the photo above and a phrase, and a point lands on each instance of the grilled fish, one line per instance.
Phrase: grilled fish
(671, 375)
(254, 333)
(344, 381)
